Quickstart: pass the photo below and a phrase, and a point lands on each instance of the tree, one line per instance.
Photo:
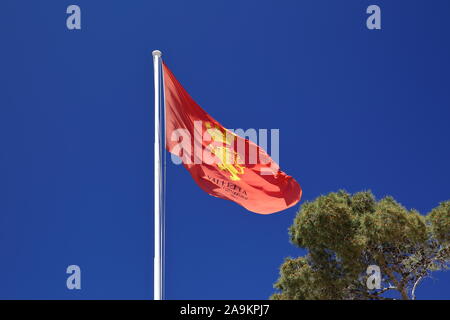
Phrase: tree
(344, 234)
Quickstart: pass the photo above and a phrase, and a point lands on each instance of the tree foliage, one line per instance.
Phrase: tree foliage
(344, 234)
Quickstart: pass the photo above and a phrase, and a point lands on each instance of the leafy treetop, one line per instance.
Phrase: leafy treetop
(345, 233)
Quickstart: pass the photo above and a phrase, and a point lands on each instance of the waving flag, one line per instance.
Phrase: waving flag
(222, 163)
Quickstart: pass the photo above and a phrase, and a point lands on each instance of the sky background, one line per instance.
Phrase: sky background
(357, 109)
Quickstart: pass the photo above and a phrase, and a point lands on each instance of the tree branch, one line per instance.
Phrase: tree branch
(386, 289)
(413, 291)
(398, 284)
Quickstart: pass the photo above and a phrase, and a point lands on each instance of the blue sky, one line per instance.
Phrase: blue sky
(357, 109)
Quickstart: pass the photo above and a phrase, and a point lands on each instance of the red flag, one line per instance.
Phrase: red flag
(222, 163)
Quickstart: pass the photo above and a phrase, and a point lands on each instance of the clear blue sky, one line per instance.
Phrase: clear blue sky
(356, 109)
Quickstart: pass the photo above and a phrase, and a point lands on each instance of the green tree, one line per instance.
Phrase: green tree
(344, 234)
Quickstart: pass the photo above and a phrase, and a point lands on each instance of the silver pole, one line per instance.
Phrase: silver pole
(157, 271)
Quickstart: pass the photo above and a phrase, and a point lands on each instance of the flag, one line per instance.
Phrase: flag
(222, 163)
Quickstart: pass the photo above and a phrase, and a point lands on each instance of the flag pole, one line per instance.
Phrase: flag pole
(157, 267)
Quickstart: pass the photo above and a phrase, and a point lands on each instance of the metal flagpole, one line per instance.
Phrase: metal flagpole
(157, 270)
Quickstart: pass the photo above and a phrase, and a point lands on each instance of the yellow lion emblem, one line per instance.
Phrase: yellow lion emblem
(229, 159)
